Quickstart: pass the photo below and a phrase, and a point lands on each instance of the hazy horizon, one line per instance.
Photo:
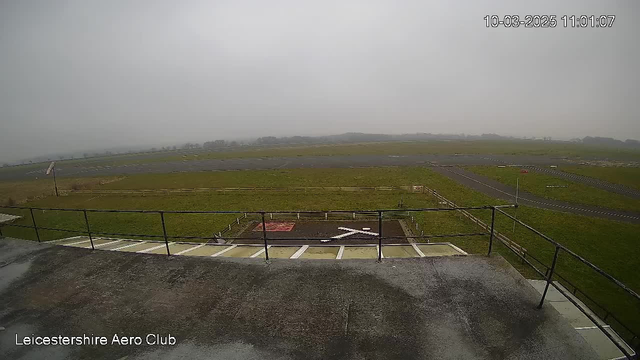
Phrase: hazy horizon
(82, 75)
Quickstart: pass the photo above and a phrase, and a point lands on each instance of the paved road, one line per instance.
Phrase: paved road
(494, 188)
(285, 163)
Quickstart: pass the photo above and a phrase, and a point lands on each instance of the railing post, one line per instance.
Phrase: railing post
(550, 277)
(379, 235)
(35, 227)
(264, 237)
(164, 231)
(493, 221)
(86, 221)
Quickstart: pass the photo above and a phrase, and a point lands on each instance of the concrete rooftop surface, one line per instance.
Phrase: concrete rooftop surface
(468, 307)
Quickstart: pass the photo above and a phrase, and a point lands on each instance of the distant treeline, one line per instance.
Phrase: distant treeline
(362, 138)
(345, 139)
(605, 141)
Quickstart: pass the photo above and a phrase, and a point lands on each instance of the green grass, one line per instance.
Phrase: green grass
(536, 183)
(509, 147)
(628, 176)
(609, 244)
(21, 191)
(390, 176)
(406, 148)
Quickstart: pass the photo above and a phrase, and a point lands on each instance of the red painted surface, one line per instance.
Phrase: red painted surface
(276, 226)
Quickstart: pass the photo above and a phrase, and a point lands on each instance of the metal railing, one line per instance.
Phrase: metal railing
(379, 216)
(551, 272)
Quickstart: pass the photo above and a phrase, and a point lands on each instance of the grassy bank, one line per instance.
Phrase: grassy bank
(609, 244)
(18, 192)
(503, 147)
(628, 176)
(536, 183)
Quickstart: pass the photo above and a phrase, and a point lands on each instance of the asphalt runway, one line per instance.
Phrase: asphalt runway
(499, 190)
(284, 163)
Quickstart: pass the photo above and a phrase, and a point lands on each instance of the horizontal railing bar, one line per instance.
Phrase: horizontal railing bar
(523, 258)
(580, 258)
(62, 230)
(486, 207)
(593, 319)
(568, 282)
(120, 234)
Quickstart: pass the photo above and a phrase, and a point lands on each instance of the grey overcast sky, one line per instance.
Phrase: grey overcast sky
(81, 74)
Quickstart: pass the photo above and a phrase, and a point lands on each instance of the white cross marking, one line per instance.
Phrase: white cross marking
(349, 233)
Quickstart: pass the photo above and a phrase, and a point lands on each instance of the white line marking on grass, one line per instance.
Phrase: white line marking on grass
(190, 249)
(130, 245)
(340, 253)
(300, 251)
(417, 249)
(76, 243)
(152, 248)
(457, 248)
(259, 252)
(224, 250)
(109, 243)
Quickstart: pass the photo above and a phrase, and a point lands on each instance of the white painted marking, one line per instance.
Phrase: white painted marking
(366, 229)
(190, 249)
(340, 252)
(341, 236)
(417, 249)
(69, 238)
(457, 248)
(259, 252)
(224, 250)
(152, 248)
(358, 231)
(299, 253)
(349, 233)
(109, 243)
(77, 242)
(130, 245)
(591, 327)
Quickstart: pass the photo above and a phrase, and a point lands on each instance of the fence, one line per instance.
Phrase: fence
(261, 216)
(550, 271)
(404, 188)
(548, 275)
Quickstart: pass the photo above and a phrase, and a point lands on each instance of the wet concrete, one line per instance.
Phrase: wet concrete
(422, 308)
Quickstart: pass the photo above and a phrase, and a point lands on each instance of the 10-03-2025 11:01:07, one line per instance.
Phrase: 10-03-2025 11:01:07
(549, 21)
